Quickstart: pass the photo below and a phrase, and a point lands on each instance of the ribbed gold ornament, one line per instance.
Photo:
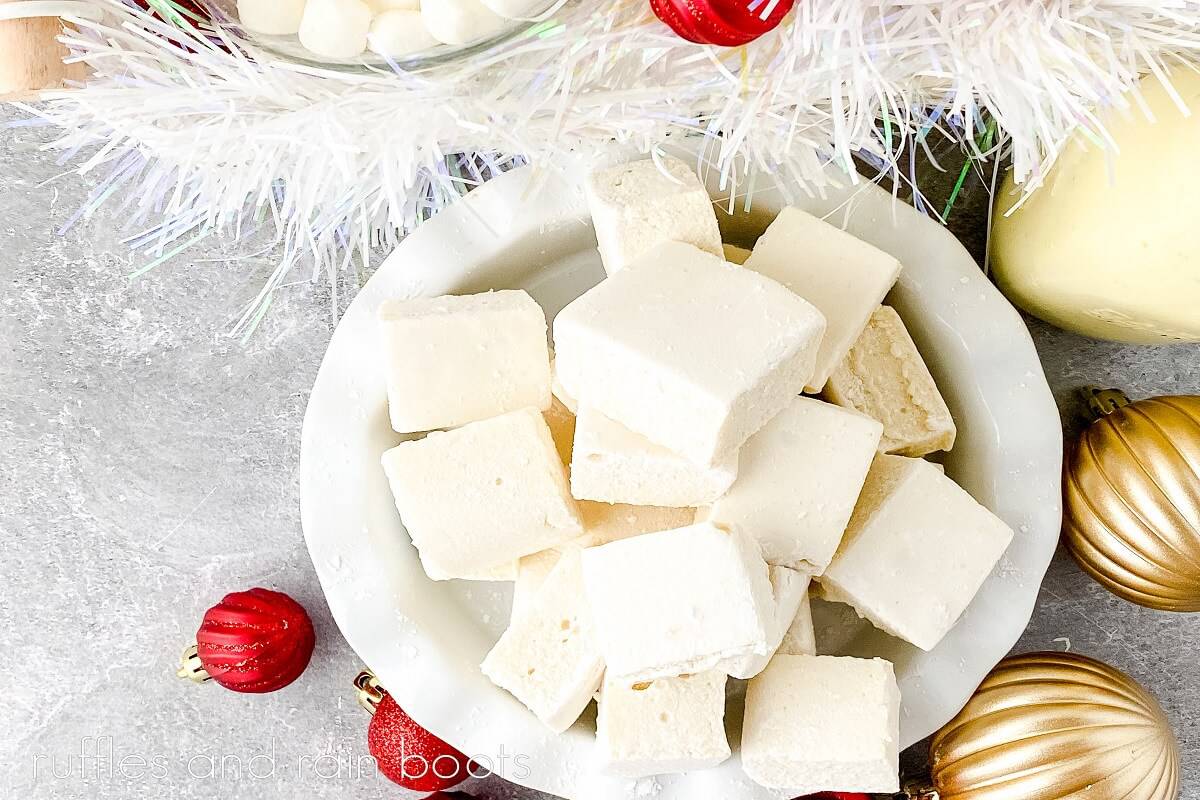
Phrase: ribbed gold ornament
(1053, 726)
(1131, 499)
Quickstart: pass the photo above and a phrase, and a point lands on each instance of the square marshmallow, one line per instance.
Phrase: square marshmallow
(884, 377)
(679, 601)
(800, 639)
(661, 726)
(690, 351)
(798, 480)
(819, 723)
(482, 495)
(612, 464)
(548, 658)
(640, 204)
(790, 590)
(602, 523)
(844, 277)
(914, 527)
(453, 360)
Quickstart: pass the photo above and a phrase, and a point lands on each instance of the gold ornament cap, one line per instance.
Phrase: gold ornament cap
(190, 666)
(367, 690)
(1131, 499)
(1053, 726)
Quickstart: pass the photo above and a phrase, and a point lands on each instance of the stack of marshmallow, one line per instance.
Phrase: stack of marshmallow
(345, 29)
(663, 493)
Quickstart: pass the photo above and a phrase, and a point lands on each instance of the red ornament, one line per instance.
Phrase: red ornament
(255, 641)
(728, 23)
(408, 754)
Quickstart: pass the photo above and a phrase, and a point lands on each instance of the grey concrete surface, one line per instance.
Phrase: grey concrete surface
(148, 464)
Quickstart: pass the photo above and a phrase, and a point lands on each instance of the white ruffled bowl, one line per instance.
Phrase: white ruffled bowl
(425, 639)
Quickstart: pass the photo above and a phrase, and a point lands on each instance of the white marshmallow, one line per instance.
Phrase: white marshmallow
(453, 360)
(516, 9)
(335, 28)
(548, 658)
(819, 723)
(884, 377)
(383, 6)
(460, 21)
(272, 17)
(798, 480)
(800, 639)
(612, 464)
(638, 205)
(399, 33)
(506, 571)
(692, 352)
(482, 495)
(790, 590)
(679, 601)
(666, 725)
(602, 523)
(844, 277)
(914, 527)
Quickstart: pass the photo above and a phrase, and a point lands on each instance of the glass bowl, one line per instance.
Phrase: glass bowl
(289, 47)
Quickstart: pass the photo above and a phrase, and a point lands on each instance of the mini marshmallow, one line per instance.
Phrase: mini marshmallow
(272, 17)
(688, 350)
(844, 277)
(660, 726)
(482, 495)
(798, 480)
(548, 658)
(457, 359)
(790, 590)
(399, 33)
(818, 723)
(515, 9)
(884, 377)
(678, 601)
(641, 204)
(460, 21)
(914, 527)
(335, 28)
(612, 464)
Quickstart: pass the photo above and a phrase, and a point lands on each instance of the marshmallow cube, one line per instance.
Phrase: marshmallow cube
(641, 204)
(798, 480)
(679, 601)
(612, 464)
(272, 17)
(692, 352)
(790, 590)
(914, 527)
(515, 9)
(547, 658)
(800, 639)
(602, 523)
(399, 33)
(660, 726)
(453, 360)
(819, 723)
(884, 377)
(335, 28)
(844, 277)
(460, 21)
(482, 495)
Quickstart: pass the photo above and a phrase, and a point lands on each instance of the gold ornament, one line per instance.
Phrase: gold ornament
(1053, 726)
(1131, 499)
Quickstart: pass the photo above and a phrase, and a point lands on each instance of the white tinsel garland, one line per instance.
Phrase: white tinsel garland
(201, 131)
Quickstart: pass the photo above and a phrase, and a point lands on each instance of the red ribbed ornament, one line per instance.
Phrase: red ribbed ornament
(255, 641)
(727, 23)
